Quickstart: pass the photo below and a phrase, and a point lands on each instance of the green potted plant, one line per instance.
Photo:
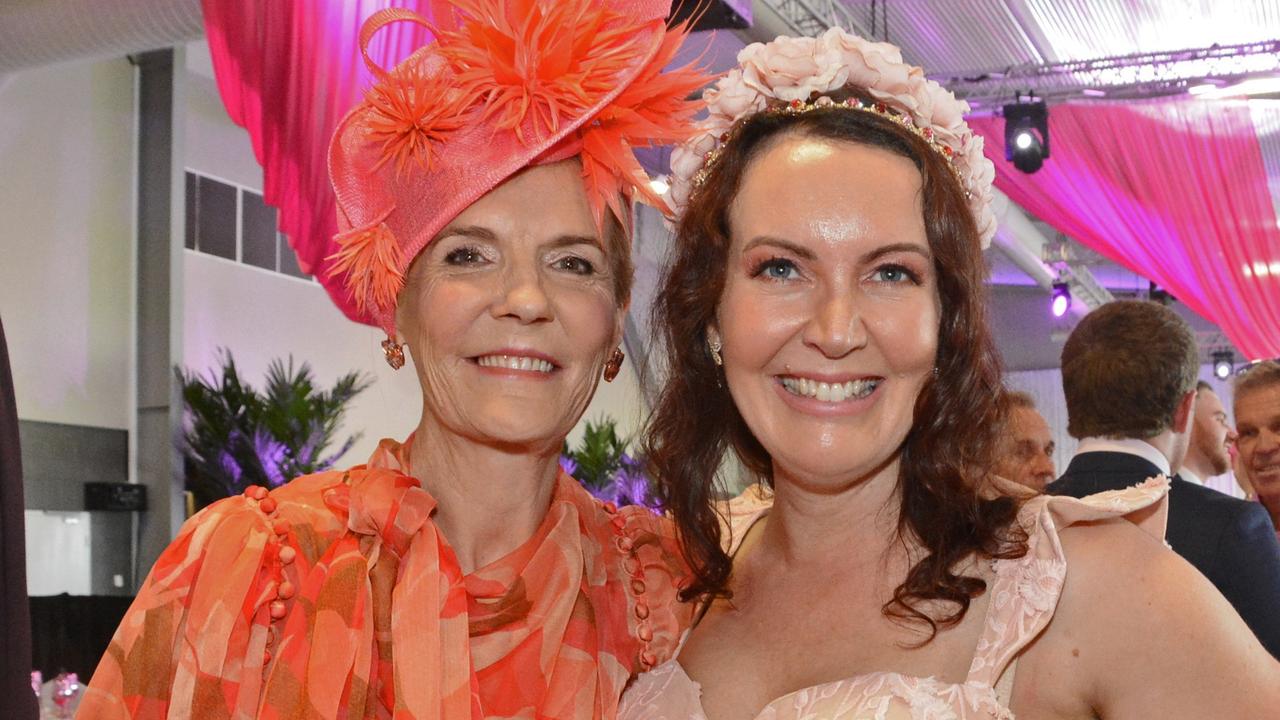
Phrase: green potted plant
(235, 436)
(606, 469)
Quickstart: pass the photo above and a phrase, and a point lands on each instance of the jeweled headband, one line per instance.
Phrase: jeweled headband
(798, 74)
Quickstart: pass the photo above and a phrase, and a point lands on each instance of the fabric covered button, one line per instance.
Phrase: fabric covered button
(648, 659)
(642, 609)
(257, 492)
(268, 505)
(644, 632)
(287, 554)
(624, 544)
(285, 591)
(631, 565)
(280, 527)
(278, 610)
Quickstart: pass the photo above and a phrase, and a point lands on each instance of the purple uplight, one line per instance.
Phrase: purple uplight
(1061, 299)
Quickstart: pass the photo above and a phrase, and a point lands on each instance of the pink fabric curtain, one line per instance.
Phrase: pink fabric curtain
(287, 71)
(1175, 191)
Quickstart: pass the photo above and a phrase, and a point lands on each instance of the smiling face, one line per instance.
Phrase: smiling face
(510, 313)
(830, 313)
(1258, 426)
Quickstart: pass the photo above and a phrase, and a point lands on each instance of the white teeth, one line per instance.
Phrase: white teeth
(515, 362)
(829, 392)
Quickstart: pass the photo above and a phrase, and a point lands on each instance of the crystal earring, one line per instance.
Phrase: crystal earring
(714, 345)
(394, 352)
(614, 365)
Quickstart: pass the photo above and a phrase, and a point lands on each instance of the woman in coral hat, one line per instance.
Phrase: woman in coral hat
(483, 187)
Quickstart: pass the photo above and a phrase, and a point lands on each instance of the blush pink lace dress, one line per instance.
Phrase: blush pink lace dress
(1024, 595)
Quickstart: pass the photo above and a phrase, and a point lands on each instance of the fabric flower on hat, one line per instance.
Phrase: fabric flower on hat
(548, 60)
(413, 111)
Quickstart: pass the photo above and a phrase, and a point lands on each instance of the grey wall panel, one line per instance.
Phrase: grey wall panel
(58, 459)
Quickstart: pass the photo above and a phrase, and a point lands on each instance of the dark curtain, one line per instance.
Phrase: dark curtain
(15, 643)
(71, 632)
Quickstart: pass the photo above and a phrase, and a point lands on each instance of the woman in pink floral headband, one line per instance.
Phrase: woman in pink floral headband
(825, 317)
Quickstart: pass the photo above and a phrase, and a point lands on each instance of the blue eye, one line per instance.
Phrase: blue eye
(895, 274)
(776, 269)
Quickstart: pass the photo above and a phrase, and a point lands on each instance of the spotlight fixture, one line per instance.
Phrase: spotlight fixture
(1026, 134)
(1061, 299)
(1223, 364)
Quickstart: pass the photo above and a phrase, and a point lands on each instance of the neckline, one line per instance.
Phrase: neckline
(736, 545)
(696, 687)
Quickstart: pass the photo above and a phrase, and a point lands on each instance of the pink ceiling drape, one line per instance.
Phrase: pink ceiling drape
(287, 71)
(1175, 191)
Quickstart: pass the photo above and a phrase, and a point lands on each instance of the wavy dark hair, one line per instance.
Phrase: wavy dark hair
(951, 446)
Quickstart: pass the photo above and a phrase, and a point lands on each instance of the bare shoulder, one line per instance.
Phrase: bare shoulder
(1149, 635)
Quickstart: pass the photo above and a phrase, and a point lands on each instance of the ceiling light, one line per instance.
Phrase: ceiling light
(1061, 299)
(1026, 134)
(1223, 364)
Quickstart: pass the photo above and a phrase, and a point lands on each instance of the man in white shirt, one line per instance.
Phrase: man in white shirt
(1211, 437)
(1129, 375)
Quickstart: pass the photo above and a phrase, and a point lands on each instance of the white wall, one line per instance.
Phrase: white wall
(66, 240)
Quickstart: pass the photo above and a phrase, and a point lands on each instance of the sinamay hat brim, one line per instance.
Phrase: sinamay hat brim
(414, 205)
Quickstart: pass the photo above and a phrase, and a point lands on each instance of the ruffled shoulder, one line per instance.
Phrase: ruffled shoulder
(198, 628)
(1026, 590)
(653, 572)
(739, 513)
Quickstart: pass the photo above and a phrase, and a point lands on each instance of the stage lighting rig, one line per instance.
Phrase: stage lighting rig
(1026, 133)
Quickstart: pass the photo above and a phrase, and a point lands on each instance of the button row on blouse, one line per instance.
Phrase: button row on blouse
(281, 588)
(631, 564)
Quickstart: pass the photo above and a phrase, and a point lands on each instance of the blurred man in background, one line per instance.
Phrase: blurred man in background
(1208, 453)
(1026, 456)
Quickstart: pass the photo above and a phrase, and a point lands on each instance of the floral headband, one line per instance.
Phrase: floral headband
(797, 74)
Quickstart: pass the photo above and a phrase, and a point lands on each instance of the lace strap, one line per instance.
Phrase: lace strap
(1025, 591)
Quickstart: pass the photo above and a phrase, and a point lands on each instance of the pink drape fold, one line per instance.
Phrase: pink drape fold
(1175, 191)
(287, 72)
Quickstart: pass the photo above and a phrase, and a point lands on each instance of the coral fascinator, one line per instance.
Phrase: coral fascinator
(504, 85)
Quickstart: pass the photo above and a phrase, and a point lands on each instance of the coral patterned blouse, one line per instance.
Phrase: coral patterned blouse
(335, 596)
(1025, 594)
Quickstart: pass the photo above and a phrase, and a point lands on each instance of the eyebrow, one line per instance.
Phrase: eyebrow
(479, 232)
(807, 254)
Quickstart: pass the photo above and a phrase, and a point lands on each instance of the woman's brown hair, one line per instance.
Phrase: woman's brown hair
(951, 445)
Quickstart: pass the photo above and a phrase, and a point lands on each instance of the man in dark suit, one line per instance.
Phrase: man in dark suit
(1129, 374)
